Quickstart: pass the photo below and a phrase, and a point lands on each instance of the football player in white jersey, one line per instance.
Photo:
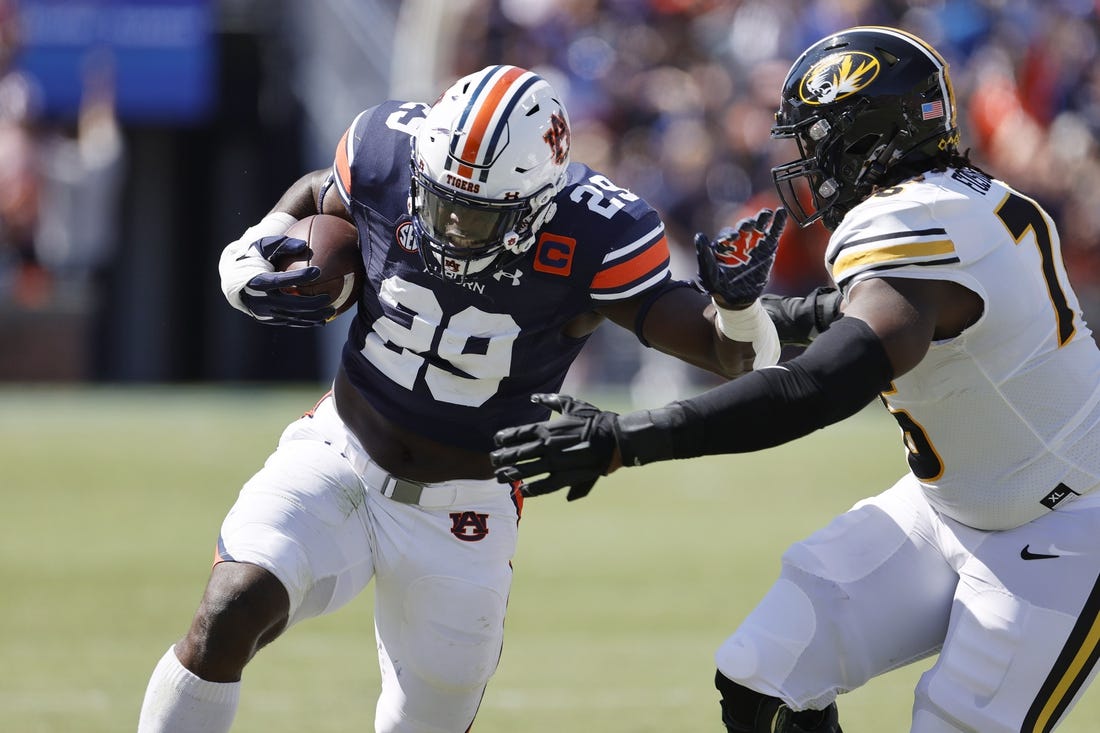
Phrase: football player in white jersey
(959, 315)
(490, 258)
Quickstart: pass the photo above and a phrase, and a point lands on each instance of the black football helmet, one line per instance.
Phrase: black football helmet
(868, 106)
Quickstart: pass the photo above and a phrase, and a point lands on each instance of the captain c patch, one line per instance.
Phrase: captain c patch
(554, 254)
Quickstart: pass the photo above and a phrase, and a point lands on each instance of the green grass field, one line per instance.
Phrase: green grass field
(112, 502)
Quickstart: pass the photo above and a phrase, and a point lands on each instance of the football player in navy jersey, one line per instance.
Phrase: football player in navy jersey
(961, 319)
(490, 258)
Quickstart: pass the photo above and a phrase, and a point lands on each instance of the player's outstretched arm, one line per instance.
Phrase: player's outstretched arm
(734, 269)
(839, 374)
(800, 319)
(717, 322)
(574, 450)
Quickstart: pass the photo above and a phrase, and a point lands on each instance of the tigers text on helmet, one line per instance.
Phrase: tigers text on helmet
(487, 162)
(868, 106)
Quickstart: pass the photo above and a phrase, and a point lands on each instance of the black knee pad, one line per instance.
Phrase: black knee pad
(745, 710)
(748, 711)
(807, 721)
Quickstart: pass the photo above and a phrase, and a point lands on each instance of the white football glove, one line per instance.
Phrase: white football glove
(240, 261)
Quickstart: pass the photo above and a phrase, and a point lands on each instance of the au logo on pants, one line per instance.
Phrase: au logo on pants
(469, 526)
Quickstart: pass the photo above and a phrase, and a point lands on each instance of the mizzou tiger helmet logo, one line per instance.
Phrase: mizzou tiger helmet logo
(837, 76)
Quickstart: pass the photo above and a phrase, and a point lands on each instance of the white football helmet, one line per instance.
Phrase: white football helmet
(487, 162)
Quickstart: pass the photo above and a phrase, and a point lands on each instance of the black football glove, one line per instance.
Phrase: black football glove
(734, 268)
(575, 450)
(269, 303)
(798, 321)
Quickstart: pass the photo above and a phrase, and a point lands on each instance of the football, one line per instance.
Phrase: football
(333, 247)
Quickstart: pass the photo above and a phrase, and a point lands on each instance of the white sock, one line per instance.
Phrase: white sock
(177, 701)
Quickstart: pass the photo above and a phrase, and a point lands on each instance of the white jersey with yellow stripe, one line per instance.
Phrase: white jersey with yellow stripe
(1001, 424)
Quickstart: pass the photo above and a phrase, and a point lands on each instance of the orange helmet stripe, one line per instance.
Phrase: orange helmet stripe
(486, 112)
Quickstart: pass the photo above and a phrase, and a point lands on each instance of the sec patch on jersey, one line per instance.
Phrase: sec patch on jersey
(333, 247)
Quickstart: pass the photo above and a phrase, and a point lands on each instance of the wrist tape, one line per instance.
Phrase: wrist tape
(752, 325)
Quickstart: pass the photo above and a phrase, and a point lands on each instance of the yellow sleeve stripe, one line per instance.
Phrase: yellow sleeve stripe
(849, 262)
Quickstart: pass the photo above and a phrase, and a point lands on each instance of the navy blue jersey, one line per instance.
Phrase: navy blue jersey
(457, 362)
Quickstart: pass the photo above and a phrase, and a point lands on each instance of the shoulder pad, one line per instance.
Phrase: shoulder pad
(885, 233)
(376, 147)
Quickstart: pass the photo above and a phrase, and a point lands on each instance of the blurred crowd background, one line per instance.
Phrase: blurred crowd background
(137, 137)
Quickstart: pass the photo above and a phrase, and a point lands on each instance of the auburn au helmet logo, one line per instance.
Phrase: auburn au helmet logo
(837, 76)
(557, 137)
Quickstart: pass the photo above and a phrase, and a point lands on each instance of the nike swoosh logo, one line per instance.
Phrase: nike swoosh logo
(1027, 554)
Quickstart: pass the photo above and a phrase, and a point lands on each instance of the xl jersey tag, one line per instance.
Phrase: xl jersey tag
(1061, 491)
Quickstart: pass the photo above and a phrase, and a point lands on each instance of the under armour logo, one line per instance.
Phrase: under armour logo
(469, 526)
(515, 275)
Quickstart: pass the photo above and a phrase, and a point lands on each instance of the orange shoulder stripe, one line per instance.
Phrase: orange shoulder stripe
(343, 164)
(633, 269)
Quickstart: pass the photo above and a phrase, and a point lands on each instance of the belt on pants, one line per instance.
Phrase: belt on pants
(399, 489)
(395, 488)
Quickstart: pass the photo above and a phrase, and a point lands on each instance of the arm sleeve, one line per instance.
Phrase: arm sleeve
(836, 377)
(799, 320)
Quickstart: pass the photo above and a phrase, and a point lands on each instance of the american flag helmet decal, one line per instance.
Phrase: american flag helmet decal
(932, 110)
